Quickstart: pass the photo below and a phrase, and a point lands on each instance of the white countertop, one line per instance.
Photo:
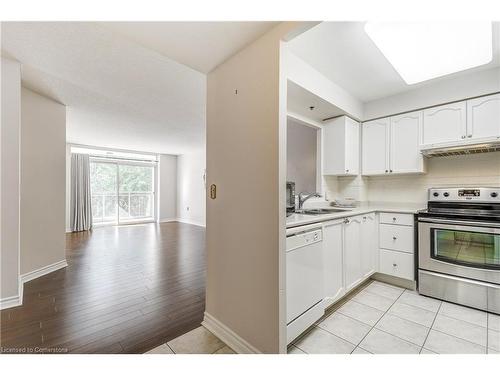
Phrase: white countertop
(363, 208)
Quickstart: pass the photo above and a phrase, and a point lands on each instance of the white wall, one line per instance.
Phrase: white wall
(301, 152)
(167, 188)
(9, 184)
(43, 181)
(191, 193)
(463, 170)
(442, 91)
(309, 78)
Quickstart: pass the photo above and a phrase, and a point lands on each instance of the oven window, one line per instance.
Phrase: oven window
(475, 249)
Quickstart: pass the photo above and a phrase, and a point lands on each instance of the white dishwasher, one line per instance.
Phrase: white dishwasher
(304, 278)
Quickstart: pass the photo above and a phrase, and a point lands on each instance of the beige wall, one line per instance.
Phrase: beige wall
(9, 193)
(246, 154)
(43, 181)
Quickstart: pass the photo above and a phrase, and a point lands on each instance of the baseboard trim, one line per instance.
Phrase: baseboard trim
(192, 222)
(228, 336)
(43, 271)
(168, 220)
(8, 302)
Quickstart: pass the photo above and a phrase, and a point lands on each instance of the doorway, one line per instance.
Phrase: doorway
(123, 192)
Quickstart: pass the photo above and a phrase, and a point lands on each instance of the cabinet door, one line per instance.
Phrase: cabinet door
(444, 124)
(375, 147)
(351, 147)
(352, 252)
(332, 252)
(369, 248)
(333, 147)
(483, 117)
(405, 155)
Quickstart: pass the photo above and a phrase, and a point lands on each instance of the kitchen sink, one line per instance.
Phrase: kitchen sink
(320, 211)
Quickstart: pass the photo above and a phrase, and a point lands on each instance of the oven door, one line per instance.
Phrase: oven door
(460, 248)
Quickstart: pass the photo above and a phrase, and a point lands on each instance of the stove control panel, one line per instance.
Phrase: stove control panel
(482, 194)
(469, 193)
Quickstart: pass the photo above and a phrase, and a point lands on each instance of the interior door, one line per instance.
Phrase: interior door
(352, 252)
(375, 147)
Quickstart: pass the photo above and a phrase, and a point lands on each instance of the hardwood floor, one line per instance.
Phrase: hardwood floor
(126, 289)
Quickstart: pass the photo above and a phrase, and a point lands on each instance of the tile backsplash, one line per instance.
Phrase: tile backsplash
(463, 170)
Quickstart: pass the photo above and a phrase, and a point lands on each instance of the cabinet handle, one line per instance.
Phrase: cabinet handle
(347, 170)
(470, 136)
(463, 136)
(346, 221)
(391, 170)
(394, 265)
(394, 238)
(393, 219)
(386, 171)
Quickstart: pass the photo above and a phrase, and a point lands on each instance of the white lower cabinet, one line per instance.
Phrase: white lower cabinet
(353, 273)
(333, 259)
(369, 249)
(397, 243)
(396, 263)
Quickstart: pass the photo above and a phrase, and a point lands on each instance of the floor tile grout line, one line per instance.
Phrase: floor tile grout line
(333, 334)
(371, 329)
(430, 329)
(173, 351)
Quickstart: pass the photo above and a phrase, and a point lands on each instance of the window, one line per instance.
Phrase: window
(122, 192)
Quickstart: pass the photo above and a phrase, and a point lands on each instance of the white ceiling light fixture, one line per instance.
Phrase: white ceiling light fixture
(420, 51)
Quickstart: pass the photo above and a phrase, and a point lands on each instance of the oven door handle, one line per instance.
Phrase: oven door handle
(460, 222)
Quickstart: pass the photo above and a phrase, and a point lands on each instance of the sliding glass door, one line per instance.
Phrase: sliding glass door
(122, 192)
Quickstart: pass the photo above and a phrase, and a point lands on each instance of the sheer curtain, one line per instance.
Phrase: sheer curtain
(81, 201)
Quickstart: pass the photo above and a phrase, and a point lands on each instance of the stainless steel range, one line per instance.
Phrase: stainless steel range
(459, 247)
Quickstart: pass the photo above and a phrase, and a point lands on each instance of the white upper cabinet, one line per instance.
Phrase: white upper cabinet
(483, 117)
(392, 145)
(405, 155)
(340, 147)
(375, 147)
(444, 124)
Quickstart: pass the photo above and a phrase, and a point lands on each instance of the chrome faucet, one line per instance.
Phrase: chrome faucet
(303, 198)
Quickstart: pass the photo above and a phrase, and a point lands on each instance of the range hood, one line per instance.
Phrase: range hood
(477, 148)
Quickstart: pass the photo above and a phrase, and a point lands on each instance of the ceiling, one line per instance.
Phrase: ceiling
(122, 91)
(300, 101)
(199, 45)
(344, 53)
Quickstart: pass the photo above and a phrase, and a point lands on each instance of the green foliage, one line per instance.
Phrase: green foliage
(133, 178)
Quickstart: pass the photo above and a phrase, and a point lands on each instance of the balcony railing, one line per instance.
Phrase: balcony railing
(132, 206)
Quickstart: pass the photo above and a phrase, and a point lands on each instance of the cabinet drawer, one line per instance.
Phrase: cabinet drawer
(397, 264)
(398, 219)
(396, 237)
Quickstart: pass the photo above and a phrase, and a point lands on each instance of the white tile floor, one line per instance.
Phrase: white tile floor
(197, 341)
(382, 318)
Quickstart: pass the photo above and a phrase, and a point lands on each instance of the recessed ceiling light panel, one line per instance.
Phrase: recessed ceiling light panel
(420, 51)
